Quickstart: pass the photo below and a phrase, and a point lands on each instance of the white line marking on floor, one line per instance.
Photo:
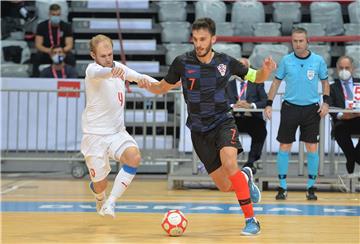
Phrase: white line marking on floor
(15, 187)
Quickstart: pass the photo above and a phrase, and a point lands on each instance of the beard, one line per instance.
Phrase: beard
(206, 51)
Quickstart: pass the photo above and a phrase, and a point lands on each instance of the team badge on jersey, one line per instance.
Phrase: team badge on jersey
(222, 69)
(310, 74)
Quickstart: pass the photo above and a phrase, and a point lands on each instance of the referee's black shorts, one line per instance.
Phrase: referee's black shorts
(208, 145)
(293, 116)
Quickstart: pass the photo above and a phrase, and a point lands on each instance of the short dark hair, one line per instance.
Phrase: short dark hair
(205, 23)
(299, 30)
(54, 7)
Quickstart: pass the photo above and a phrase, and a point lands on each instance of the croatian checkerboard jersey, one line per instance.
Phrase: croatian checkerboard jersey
(204, 87)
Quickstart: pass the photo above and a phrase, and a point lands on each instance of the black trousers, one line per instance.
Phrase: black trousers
(342, 131)
(44, 58)
(256, 128)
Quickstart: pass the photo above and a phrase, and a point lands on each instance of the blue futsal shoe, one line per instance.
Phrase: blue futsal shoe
(252, 227)
(255, 193)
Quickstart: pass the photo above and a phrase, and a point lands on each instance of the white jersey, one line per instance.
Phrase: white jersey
(105, 99)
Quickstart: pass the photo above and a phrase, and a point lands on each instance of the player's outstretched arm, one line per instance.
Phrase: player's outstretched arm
(268, 66)
(162, 87)
(99, 72)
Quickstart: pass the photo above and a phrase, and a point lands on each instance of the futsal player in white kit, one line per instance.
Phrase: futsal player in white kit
(104, 134)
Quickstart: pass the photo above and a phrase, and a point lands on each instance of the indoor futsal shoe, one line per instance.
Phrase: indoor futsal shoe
(255, 193)
(252, 227)
(108, 209)
(310, 194)
(282, 194)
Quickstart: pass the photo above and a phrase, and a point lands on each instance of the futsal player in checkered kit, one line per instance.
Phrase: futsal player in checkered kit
(301, 70)
(204, 75)
(104, 134)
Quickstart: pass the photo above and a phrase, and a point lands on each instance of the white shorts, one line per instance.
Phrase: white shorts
(97, 149)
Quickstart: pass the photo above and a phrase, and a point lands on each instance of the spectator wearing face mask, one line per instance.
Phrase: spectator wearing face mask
(345, 124)
(58, 69)
(51, 33)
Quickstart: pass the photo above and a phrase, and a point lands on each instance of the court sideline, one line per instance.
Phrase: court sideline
(38, 210)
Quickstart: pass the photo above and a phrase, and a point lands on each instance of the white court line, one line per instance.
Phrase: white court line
(14, 187)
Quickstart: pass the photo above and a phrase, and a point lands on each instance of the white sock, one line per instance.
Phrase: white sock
(121, 183)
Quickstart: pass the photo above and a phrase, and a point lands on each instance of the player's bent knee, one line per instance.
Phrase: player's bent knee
(131, 157)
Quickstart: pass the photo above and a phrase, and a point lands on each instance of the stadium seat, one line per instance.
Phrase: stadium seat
(129, 45)
(287, 14)
(313, 29)
(352, 29)
(146, 67)
(214, 9)
(267, 29)
(329, 14)
(174, 50)
(172, 11)
(224, 29)
(24, 48)
(231, 49)
(261, 51)
(42, 9)
(246, 13)
(175, 32)
(354, 12)
(96, 24)
(354, 52)
(111, 4)
(322, 50)
(14, 70)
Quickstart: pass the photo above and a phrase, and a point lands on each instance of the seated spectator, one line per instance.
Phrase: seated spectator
(345, 124)
(51, 33)
(58, 69)
(243, 94)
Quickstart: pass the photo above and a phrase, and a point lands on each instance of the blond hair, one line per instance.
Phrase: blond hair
(96, 40)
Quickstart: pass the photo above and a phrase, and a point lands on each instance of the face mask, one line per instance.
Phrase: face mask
(344, 74)
(57, 59)
(55, 20)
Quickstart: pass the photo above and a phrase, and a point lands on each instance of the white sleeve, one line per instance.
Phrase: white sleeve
(98, 71)
(149, 78)
(130, 75)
